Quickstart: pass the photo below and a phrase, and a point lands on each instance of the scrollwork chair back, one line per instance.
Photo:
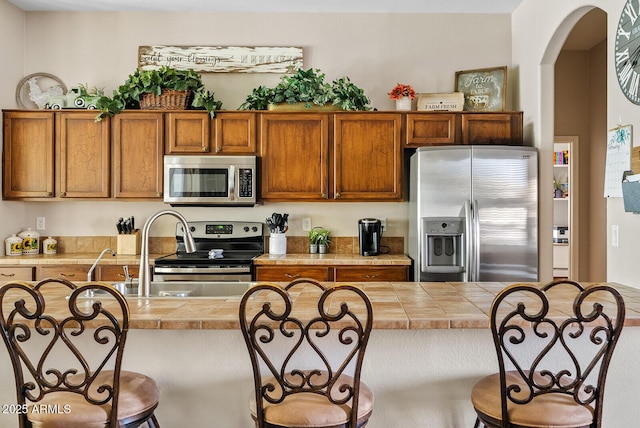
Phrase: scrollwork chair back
(544, 348)
(293, 352)
(38, 334)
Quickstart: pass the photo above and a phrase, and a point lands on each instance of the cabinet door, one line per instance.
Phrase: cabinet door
(367, 157)
(492, 128)
(84, 162)
(28, 155)
(235, 133)
(432, 129)
(187, 132)
(70, 272)
(365, 273)
(138, 150)
(16, 273)
(294, 148)
(290, 272)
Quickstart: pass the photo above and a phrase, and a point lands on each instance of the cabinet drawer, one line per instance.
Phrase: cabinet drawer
(431, 129)
(70, 272)
(116, 273)
(382, 273)
(291, 272)
(17, 273)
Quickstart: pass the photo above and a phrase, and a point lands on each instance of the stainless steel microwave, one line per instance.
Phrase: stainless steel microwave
(210, 180)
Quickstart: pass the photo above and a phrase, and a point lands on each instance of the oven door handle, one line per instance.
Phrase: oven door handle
(211, 269)
(232, 182)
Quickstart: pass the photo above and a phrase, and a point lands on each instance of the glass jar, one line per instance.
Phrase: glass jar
(13, 246)
(49, 246)
(30, 241)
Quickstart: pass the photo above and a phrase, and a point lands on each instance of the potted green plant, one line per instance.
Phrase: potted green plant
(130, 94)
(308, 89)
(313, 240)
(323, 239)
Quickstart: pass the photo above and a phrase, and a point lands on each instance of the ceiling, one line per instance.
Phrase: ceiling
(330, 6)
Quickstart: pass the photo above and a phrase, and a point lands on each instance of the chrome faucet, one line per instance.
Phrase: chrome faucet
(97, 261)
(144, 280)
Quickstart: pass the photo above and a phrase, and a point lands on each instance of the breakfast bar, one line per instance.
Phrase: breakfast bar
(431, 342)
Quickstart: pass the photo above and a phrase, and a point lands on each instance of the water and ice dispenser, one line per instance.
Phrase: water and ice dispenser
(443, 249)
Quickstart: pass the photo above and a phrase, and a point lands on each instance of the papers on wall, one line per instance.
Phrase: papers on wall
(618, 160)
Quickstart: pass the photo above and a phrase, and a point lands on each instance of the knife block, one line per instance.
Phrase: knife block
(129, 244)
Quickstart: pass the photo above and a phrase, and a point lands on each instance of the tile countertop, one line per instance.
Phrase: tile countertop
(72, 259)
(331, 259)
(396, 305)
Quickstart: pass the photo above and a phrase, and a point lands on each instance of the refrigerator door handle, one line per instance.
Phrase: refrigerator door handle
(475, 208)
(468, 247)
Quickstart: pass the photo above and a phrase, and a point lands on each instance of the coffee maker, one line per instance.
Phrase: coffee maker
(370, 233)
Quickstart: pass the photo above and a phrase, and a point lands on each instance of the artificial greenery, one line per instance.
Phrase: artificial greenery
(319, 235)
(127, 96)
(309, 88)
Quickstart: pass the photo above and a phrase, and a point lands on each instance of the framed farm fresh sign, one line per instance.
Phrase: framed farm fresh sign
(484, 89)
(221, 59)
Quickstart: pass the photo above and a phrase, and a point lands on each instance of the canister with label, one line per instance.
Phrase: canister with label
(30, 241)
(13, 246)
(50, 246)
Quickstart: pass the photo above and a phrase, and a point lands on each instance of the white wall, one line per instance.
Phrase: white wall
(375, 50)
(550, 21)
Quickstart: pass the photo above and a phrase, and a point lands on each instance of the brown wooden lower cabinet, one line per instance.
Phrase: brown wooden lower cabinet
(377, 273)
(71, 272)
(290, 272)
(16, 273)
(332, 273)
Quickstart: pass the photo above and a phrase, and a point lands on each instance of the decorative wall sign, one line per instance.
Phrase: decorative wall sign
(484, 89)
(618, 160)
(221, 59)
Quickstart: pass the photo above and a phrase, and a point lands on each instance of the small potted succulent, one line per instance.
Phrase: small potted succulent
(156, 82)
(306, 89)
(323, 239)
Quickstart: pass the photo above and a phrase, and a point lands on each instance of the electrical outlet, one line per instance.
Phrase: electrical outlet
(40, 223)
(383, 222)
(306, 224)
(615, 236)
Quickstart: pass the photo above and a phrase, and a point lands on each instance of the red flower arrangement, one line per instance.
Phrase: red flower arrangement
(402, 91)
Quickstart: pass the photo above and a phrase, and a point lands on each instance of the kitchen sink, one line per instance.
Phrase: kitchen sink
(185, 289)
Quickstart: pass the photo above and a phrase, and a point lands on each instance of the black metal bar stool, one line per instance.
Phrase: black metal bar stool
(331, 327)
(554, 344)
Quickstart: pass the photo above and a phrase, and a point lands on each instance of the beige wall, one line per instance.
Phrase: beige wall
(580, 109)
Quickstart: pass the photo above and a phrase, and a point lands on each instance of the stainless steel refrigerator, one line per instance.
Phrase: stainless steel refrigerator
(473, 213)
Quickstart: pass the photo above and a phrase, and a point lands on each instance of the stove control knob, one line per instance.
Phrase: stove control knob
(192, 228)
(254, 228)
(246, 228)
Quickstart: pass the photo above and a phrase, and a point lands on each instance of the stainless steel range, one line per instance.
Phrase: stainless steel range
(224, 252)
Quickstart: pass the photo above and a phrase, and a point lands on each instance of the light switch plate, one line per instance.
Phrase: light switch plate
(40, 223)
(615, 236)
(306, 224)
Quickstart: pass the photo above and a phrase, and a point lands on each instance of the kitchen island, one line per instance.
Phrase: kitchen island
(430, 343)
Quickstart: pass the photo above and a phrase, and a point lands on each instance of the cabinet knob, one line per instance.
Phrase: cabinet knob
(288, 275)
(218, 149)
(324, 196)
(338, 195)
(7, 274)
(371, 276)
(49, 193)
(70, 275)
(158, 194)
(204, 148)
(63, 194)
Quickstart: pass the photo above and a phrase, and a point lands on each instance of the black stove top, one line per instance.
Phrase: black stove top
(240, 243)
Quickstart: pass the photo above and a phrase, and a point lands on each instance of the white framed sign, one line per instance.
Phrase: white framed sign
(221, 59)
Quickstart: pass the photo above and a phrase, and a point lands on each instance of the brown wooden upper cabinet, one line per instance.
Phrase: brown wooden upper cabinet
(28, 154)
(367, 157)
(56, 155)
(228, 133)
(295, 156)
(187, 132)
(361, 162)
(235, 133)
(138, 138)
(83, 155)
(447, 128)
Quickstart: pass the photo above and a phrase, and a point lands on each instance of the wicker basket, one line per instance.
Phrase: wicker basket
(169, 99)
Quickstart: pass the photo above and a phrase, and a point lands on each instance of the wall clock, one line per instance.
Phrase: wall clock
(627, 51)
